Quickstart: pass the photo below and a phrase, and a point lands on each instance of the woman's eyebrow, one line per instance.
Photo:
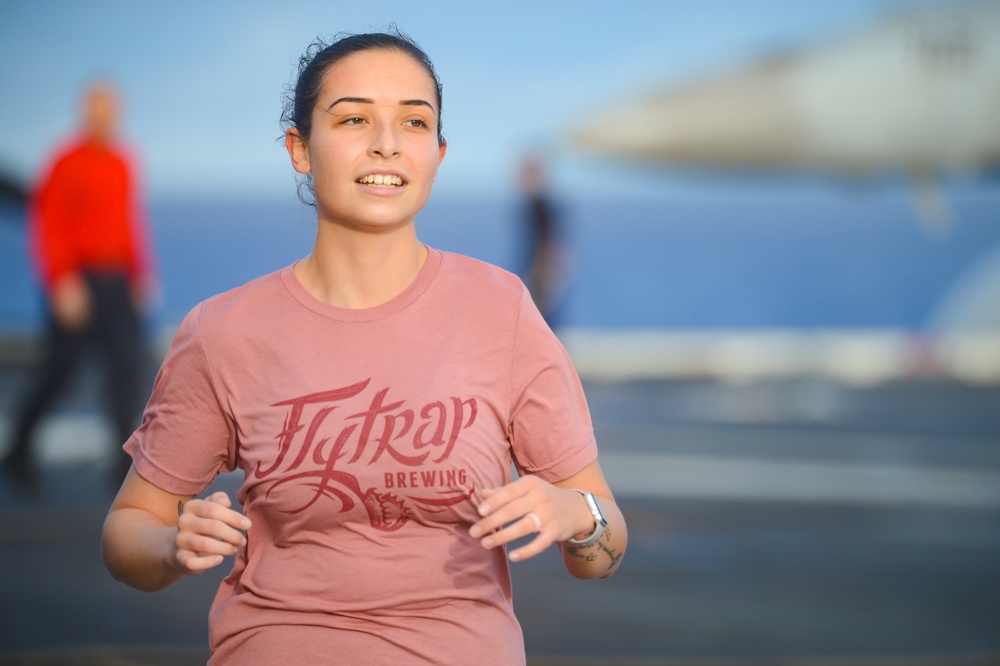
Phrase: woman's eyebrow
(355, 100)
(417, 102)
(368, 100)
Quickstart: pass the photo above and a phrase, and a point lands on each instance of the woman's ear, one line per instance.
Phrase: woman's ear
(298, 150)
(443, 148)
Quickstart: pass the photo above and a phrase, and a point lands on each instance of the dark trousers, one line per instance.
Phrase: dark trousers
(115, 333)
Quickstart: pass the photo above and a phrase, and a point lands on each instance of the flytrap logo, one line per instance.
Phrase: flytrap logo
(316, 455)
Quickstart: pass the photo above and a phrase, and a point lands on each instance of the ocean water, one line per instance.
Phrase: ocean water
(854, 260)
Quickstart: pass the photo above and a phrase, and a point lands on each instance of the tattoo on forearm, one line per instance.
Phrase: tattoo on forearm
(613, 556)
(591, 552)
(575, 551)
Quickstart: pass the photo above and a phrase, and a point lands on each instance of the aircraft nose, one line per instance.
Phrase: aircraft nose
(742, 119)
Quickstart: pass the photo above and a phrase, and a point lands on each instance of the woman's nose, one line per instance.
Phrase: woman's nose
(385, 143)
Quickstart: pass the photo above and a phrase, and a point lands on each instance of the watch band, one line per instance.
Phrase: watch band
(599, 521)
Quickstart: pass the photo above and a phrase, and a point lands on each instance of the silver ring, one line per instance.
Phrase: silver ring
(535, 519)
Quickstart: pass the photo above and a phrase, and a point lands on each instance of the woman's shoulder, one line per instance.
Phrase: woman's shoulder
(472, 272)
(240, 305)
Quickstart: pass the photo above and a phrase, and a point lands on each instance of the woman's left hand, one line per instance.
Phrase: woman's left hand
(526, 506)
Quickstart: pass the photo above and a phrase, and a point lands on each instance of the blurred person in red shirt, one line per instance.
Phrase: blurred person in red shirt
(91, 255)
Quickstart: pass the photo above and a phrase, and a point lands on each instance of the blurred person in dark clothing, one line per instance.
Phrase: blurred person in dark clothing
(91, 256)
(547, 267)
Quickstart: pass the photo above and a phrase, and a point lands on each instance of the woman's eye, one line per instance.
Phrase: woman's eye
(417, 122)
(356, 120)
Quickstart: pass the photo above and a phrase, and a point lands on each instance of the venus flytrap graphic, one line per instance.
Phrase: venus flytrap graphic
(313, 452)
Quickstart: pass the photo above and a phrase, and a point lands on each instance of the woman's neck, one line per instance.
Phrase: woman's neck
(361, 270)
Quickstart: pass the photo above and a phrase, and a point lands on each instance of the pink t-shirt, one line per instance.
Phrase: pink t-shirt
(363, 436)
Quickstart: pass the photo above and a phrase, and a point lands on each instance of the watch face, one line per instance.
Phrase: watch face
(595, 509)
(599, 521)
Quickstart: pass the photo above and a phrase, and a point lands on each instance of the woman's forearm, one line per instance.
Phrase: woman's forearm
(600, 559)
(137, 548)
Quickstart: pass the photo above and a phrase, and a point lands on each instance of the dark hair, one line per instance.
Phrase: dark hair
(320, 56)
(301, 97)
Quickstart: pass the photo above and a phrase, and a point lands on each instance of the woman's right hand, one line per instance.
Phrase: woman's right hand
(208, 530)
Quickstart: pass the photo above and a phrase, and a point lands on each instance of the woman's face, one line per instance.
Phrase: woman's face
(373, 152)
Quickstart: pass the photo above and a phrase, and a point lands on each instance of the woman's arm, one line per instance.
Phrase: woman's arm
(602, 558)
(152, 538)
(557, 512)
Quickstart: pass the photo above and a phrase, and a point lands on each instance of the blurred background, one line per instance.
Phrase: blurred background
(768, 232)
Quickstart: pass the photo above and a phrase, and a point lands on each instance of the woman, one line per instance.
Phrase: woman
(374, 394)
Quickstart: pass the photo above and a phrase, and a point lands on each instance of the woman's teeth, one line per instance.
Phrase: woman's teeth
(383, 180)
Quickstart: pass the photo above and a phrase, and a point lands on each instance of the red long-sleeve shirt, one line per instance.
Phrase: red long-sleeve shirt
(85, 215)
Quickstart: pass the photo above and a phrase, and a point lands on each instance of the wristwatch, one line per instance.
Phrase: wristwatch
(599, 521)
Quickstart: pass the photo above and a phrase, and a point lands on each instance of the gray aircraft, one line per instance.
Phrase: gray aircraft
(919, 92)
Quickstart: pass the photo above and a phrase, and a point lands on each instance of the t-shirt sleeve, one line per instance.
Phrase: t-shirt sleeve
(551, 432)
(186, 438)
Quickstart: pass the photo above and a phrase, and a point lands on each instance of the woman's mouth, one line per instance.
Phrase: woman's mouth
(381, 180)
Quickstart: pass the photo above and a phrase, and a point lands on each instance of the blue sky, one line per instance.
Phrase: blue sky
(203, 80)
